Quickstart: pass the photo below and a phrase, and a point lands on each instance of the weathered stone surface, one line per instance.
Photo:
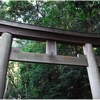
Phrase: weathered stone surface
(93, 71)
(5, 47)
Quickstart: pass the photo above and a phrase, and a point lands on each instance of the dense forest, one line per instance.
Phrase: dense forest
(43, 81)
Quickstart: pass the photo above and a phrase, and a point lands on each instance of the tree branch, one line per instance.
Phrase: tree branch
(37, 6)
(10, 76)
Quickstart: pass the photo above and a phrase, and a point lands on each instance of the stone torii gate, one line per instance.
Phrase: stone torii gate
(10, 30)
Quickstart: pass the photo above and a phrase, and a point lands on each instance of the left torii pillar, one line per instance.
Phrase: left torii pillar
(5, 48)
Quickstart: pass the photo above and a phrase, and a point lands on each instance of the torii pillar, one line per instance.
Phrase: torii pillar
(5, 48)
(93, 71)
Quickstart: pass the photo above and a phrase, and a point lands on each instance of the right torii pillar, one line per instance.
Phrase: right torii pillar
(93, 71)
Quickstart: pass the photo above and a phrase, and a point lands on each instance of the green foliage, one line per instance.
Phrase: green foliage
(45, 81)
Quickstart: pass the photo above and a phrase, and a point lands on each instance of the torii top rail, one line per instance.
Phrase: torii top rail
(10, 30)
(25, 31)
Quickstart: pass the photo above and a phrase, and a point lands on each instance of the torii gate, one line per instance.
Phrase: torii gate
(10, 30)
